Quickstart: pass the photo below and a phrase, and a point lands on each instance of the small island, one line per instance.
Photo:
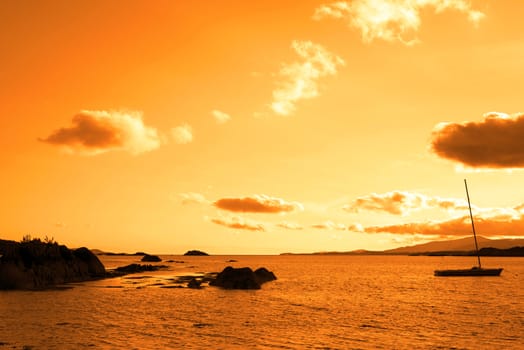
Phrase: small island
(196, 253)
(151, 258)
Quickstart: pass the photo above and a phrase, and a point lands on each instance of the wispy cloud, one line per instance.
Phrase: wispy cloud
(95, 132)
(290, 225)
(220, 117)
(391, 20)
(330, 225)
(495, 142)
(182, 134)
(298, 80)
(402, 203)
(257, 204)
(192, 197)
(238, 222)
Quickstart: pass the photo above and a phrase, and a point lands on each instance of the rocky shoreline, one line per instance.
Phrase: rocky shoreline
(35, 265)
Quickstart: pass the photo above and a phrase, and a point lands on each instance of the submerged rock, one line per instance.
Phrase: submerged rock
(196, 252)
(194, 284)
(150, 258)
(242, 278)
(134, 268)
(36, 265)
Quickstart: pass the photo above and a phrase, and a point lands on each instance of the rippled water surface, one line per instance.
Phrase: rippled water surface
(318, 302)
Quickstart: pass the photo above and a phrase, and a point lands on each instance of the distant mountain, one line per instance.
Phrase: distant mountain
(462, 244)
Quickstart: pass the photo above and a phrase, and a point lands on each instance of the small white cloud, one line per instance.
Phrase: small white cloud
(220, 117)
(290, 225)
(182, 134)
(192, 197)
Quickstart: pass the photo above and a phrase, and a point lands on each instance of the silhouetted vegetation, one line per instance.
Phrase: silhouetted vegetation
(514, 251)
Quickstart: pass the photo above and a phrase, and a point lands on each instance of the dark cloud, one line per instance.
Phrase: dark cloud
(257, 204)
(95, 132)
(495, 142)
(500, 225)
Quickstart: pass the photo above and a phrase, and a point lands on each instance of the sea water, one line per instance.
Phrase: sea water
(317, 302)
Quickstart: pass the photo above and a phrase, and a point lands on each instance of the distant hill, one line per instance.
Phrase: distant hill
(462, 244)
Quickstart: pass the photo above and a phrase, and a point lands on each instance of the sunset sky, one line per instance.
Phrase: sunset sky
(260, 127)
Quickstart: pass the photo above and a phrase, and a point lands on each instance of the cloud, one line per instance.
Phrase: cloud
(257, 204)
(298, 80)
(488, 222)
(220, 117)
(192, 197)
(495, 142)
(390, 20)
(402, 203)
(95, 132)
(290, 225)
(238, 222)
(499, 225)
(330, 225)
(182, 134)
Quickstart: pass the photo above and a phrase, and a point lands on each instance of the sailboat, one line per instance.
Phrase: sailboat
(475, 270)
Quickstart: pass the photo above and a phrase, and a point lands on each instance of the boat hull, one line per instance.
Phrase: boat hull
(475, 271)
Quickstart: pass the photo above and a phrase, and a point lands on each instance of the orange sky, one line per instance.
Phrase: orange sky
(260, 127)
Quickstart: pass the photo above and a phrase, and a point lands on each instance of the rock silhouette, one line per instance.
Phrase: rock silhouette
(194, 284)
(263, 275)
(150, 258)
(133, 268)
(34, 264)
(195, 252)
(242, 278)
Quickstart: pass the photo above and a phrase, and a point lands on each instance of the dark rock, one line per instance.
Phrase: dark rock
(194, 284)
(90, 262)
(150, 258)
(242, 278)
(196, 253)
(33, 264)
(263, 275)
(135, 268)
(99, 252)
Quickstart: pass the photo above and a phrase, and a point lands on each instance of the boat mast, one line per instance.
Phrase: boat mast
(472, 224)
